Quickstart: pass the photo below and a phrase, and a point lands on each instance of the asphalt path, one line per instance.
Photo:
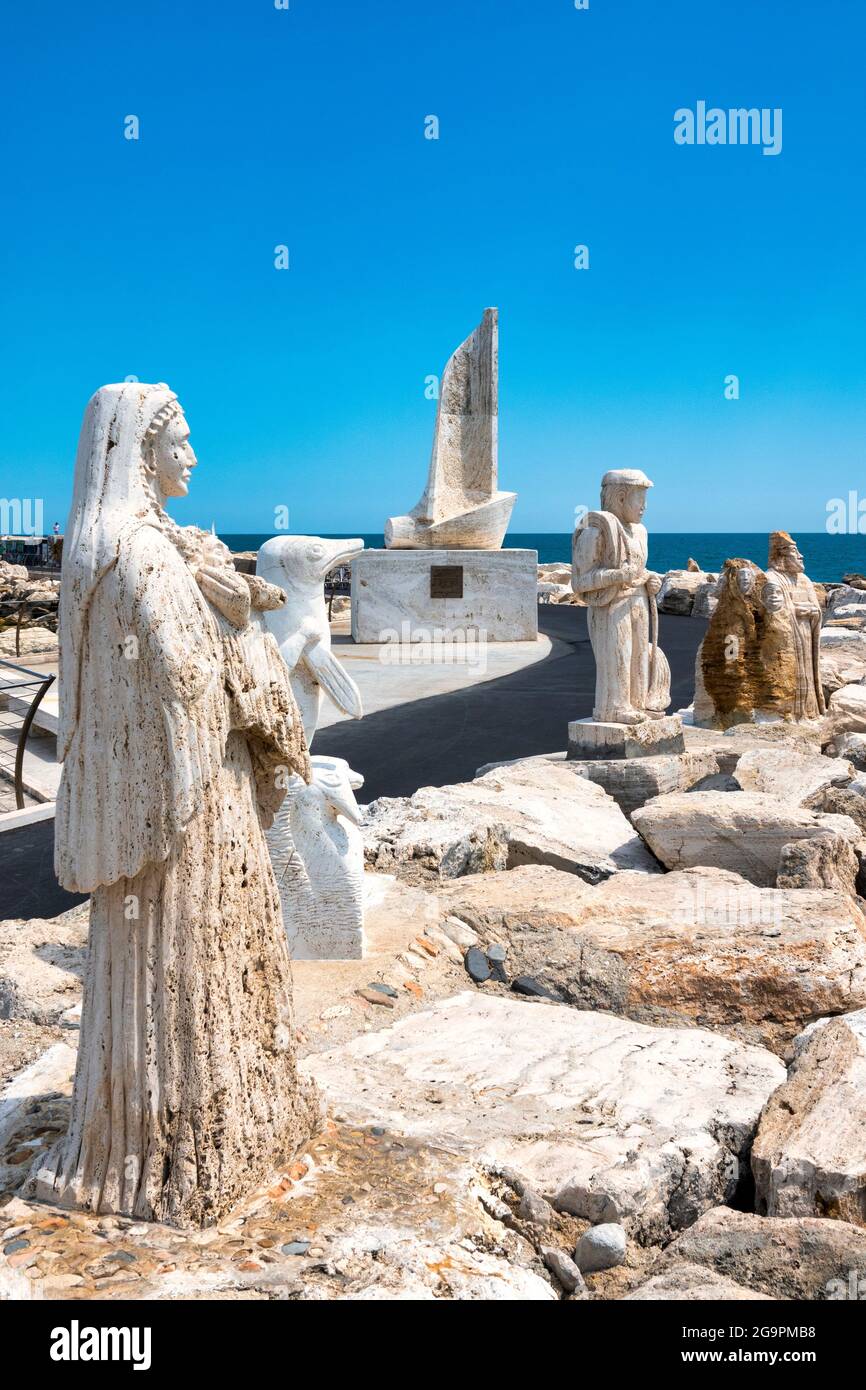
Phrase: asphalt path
(427, 742)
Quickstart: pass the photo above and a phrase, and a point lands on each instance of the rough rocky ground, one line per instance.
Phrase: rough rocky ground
(548, 1031)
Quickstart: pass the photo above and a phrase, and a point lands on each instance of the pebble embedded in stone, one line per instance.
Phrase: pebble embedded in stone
(534, 1209)
(563, 1268)
(296, 1247)
(477, 965)
(496, 952)
(375, 996)
(524, 984)
(383, 988)
(601, 1247)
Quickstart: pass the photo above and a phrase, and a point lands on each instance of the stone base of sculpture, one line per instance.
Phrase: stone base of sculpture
(420, 596)
(591, 740)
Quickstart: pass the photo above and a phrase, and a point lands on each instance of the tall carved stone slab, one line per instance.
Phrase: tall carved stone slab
(176, 716)
(461, 506)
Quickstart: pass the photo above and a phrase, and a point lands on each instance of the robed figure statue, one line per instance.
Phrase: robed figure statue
(178, 733)
(609, 556)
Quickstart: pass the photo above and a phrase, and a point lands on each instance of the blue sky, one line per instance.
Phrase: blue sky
(305, 127)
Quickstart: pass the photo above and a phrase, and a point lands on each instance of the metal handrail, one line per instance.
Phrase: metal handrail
(45, 681)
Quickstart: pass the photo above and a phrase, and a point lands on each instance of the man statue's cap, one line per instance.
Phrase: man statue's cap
(626, 477)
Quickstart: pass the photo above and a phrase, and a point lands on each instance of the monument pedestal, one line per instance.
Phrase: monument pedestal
(436, 595)
(593, 741)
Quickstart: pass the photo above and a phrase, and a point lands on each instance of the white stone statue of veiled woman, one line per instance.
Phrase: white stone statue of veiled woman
(177, 727)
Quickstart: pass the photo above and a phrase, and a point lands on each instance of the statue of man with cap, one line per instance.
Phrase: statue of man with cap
(609, 555)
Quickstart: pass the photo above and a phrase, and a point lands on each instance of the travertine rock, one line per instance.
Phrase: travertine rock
(843, 658)
(847, 709)
(809, 1155)
(691, 1283)
(605, 1118)
(41, 965)
(678, 590)
(609, 555)
(804, 1257)
(634, 781)
(741, 831)
(825, 861)
(852, 747)
(790, 775)
(760, 656)
(462, 507)
(175, 716)
(534, 811)
(698, 947)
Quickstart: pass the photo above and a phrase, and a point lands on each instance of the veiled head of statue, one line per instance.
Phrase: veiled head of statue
(784, 554)
(168, 454)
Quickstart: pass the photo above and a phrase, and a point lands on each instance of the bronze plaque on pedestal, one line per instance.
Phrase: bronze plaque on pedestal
(446, 581)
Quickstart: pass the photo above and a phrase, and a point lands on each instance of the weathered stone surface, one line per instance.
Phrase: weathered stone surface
(41, 965)
(533, 811)
(847, 709)
(393, 599)
(592, 738)
(606, 1119)
(461, 505)
(634, 781)
(826, 861)
(417, 1226)
(695, 947)
(844, 596)
(852, 747)
(741, 831)
(601, 1247)
(175, 717)
(803, 1257)
(693, 1283)
(843, 658)
(790, 775)
(809, 1156)
(679, 589)
(729, 745)
(609, 558)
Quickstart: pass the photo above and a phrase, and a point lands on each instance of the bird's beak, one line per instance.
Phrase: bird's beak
(338, 552)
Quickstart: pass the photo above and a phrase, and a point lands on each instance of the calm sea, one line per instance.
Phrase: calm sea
(827, 558)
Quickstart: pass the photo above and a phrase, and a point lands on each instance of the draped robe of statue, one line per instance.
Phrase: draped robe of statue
(173, 725)
(801, 607)
(618, 619)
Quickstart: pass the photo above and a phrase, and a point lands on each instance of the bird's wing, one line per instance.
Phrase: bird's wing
(324, 667)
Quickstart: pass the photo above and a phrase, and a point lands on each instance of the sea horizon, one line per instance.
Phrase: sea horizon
(827, 558)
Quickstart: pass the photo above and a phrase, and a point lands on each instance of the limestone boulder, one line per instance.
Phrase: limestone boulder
(680, 588)
(793, 776)
(693, 948)
(847, 709)
(809, 1155)
(851, 747)
(799, 1257)
(607, 1119)
(42, 965)
(844, 596)
(740, 831)
(843, 658)
(534, 811)
(634, 781)
(826, 861)
(687, 1283)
